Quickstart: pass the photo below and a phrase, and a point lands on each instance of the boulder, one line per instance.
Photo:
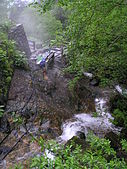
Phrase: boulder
(94, 82)
(78, 140)
(18, 34)
(81, 135)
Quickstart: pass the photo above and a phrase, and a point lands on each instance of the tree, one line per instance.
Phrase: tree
(97, 36)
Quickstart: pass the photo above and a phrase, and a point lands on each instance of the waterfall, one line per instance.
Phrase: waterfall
(86, 122)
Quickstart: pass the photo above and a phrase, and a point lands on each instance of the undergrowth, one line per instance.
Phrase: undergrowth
(98, 155)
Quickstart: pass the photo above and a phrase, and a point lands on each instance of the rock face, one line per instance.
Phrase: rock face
(4, 124)
(3, 151)
(84, 96)
(18, 35)
(46, 102)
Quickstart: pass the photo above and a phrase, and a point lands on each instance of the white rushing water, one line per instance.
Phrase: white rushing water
(86, 122)
(49, 155)
(120, 90)
(90, 75)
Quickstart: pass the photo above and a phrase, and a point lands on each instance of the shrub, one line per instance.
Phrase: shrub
(97, 36)
(98, 155)
(119, 110)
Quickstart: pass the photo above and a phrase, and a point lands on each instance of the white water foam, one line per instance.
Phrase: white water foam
(86, 122)
(120, 89)
(49, 155)
(101, 108)
(90, 75)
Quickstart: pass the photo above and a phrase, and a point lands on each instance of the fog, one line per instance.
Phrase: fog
(38, 27)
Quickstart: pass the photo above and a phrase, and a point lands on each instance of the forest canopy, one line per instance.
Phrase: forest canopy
(96, 34)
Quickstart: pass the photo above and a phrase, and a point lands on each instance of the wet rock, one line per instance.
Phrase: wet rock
(49, 88)
(26, 113)
(32, 128)
(38, 46)
(15, 133)
(79, 139)
(83, 96)
(123, 134)
(53, 132)
(81, 135)
(22, 129)
(17, 34)
(114, 140)
(3, 164)
(3, 151)
(4, 124)
(50, 132)
(45, 124)
(82, 90)
(89, 75)
(31, 45)
(94, 82)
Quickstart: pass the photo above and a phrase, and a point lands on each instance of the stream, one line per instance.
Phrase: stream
(86, 122)
(57, 124)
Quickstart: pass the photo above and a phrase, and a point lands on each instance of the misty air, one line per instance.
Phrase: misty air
(63, 84)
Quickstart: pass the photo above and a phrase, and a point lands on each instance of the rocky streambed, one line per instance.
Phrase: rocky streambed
(48, 109)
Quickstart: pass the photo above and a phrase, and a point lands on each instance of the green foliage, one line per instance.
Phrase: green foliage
(1, 111)
(20, 60)
(98, 155)
(43, 5)
(95, 114)
(19, 166)
(124, 145)
(17, 119)
(98, 38)
(41, 143)
(73, 82)
(97, 32)
(119, 110)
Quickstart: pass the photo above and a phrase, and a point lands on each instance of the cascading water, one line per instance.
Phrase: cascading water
(121, 90)
(86, 122)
